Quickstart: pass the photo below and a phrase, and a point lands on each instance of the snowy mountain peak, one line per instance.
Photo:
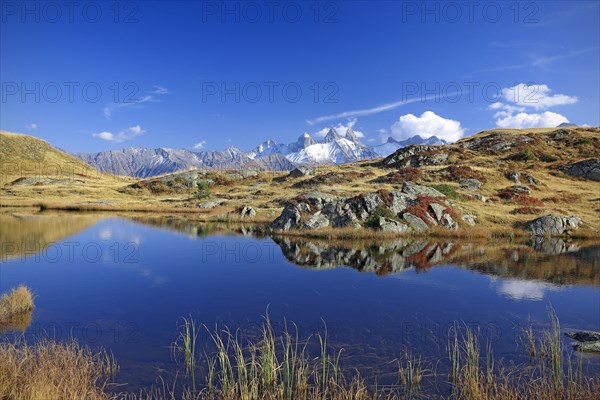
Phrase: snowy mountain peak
(332, 136)
(269, 155)
(352, 136)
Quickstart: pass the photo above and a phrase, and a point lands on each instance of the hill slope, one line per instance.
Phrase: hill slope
(27, 157)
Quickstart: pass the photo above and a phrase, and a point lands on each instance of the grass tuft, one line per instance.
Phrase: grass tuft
(15, 302)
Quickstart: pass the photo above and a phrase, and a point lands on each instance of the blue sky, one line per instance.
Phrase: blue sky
(96, 76)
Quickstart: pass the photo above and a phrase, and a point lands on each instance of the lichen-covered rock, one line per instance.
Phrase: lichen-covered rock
(470, 184)
(515, 177)
(247, 212)
(520, 188)
(400, 201)
(379, 210)
(448, 222)
(288, 219)
(532, 180)
(416, 156)
(390, 225)
(415, 222)
(317, 221)
(414, 189)
(438, 210)
(589, 169)
(301, 171)
(553, 225)
(212, 203)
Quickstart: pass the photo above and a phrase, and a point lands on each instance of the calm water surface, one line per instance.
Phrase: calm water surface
(124, 283)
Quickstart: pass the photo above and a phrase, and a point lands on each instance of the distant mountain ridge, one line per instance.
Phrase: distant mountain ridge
(334, 148)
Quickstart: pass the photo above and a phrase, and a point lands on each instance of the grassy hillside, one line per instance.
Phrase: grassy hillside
(32, 170)
(539, 156)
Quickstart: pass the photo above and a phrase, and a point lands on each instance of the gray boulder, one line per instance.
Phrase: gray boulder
(301, 171)
(521, 188)
(553, 225)
(212, 203)
(288, 219)
(438, 210)
(416, 190)
(415, 222)
(448, 222)
(400, 201)
(515, 177)
(248, 212)
(471, 184)
(317, 221)
(390, 225)
(589, 169)
(532, 180)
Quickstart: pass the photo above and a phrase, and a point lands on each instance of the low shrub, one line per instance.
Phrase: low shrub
(526, 210)
(459, 172)
(446, 190)
(519, 198)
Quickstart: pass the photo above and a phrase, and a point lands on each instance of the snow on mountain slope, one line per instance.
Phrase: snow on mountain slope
(334, 148)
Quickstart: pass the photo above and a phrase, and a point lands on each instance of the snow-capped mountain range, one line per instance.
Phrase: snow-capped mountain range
(334, 148)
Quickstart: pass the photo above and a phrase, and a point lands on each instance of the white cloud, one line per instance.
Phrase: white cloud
(121, 136)
(535, 96)
(104, 136)
(31, 126)
(200, 145)
(524, 290)
(136, 130)
(341, 129)
(546, 119)
(522, 97)
(428, 124)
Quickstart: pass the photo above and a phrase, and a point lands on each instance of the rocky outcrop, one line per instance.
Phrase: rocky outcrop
(392, 257)
(416, 156)
(414, 208)
(587, 341)
(212, 203)
(301, 171)
(589, 169)
(516, 178)
(494, 142)
(553, 225)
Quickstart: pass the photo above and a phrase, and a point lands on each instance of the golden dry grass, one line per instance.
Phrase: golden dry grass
(53, 371)
(16, 301)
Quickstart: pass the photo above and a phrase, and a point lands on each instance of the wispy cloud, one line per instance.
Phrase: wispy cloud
(108, 110)
(377, 109)
(160, 90)
(152, 96)
(122, 135)
(31, 126)
(542, 61)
